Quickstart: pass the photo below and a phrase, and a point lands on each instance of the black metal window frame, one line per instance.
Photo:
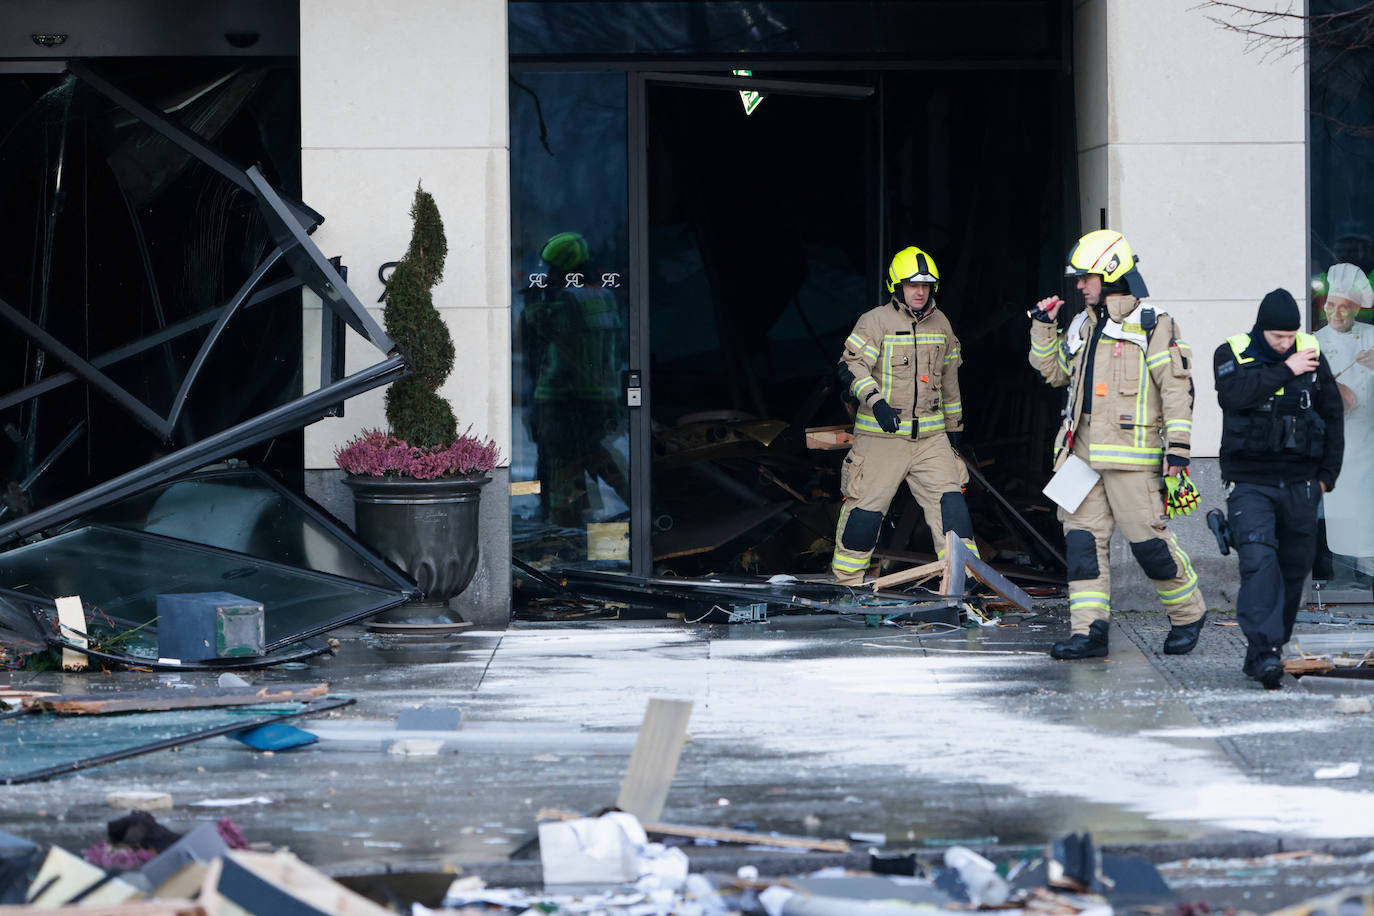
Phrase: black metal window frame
(289, 223)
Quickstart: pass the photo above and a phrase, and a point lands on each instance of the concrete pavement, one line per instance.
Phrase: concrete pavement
(806, 724)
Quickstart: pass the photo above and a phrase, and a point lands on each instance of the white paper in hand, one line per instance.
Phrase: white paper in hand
(1071, 483)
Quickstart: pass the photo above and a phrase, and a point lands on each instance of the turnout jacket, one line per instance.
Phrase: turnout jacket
(1277, 427)
(1139, 371)
(913, 365)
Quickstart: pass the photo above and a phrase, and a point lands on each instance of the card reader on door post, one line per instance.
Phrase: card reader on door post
(634, 391)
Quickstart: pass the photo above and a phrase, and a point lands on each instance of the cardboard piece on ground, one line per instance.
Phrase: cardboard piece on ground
(278, 884)
(199, 846)
(653, 763)
(829, 437)
(591, 850)
(84, 704)
(72, 618)
(64, 876)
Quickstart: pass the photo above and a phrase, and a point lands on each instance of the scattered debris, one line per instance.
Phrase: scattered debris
(1347, 770)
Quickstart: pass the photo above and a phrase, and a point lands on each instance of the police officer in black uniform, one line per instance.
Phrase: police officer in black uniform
(1281, 443)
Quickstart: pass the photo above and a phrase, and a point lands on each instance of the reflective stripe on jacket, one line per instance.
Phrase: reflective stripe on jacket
(913, 365)
(1142, 398)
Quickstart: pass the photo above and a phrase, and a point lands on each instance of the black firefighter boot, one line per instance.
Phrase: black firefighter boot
(1092, 644)
(1182, 639)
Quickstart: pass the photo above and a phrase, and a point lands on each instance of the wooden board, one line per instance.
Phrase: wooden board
(71, 617)
(909, 575)
(143, 908)
(829, 437)
(95, 704)
(653, 762)
(952, 582)
(284, 884)
(744, 837)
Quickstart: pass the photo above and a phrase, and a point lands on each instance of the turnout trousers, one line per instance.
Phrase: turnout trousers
(1132, 501)
(872, 472)
(1275, 532)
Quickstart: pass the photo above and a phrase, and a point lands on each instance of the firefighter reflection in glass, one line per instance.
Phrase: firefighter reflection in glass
(1348, 346)
(573, 332)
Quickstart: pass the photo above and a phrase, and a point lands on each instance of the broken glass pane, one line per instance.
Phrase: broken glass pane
(246, 511)
(119, 574)
(39, 746)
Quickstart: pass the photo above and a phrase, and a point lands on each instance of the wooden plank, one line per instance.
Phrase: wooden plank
(952, 582)
(297, 887)
(71, 617)
(142, 908)
(1301, 666)
(908, 575)
(829, 437)
(744, 837)
(992, 578)
(653, 762)
(95, 704)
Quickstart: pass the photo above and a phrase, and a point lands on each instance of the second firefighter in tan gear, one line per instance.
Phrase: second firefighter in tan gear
(1129, 416)
(901, 364)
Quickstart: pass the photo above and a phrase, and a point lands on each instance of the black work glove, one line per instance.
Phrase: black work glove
(955, 437)
(887, 417)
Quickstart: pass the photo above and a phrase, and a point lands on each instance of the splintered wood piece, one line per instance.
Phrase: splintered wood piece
(653, 762)
(1299, 666)
(829, 437)
(952, 582)
(71, 617)
(908, 575)
(95, 704)
(716, 833)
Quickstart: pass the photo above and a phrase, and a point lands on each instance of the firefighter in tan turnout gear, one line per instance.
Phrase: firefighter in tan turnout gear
(1129, 416)
(902, 365)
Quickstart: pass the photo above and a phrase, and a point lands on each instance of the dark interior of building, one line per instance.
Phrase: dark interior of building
(765, 248)
(116, 233)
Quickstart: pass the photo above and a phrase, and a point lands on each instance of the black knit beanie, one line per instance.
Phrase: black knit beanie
(1278, 312)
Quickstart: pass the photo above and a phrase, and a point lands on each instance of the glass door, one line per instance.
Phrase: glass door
(570, 320)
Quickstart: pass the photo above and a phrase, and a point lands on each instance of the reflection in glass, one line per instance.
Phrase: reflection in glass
(244, 510)
(1341, 194)
(570, 317)
(1348, 345)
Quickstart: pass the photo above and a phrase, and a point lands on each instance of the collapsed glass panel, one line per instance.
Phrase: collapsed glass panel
(39, 746)
(246, 511)
(119, 574)
(156, 293)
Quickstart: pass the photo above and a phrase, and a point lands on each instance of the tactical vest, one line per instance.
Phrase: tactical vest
(1286, 424)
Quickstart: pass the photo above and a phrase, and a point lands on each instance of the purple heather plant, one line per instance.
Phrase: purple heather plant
(375, 453)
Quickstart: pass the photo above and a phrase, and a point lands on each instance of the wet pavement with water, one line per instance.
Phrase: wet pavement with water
(806, 725)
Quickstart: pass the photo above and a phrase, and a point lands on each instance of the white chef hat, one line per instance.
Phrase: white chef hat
(1347, 281)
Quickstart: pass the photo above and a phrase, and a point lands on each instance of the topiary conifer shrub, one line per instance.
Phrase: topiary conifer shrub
(423, 441)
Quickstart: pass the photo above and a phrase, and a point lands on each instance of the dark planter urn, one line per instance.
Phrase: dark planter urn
(428, 528)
